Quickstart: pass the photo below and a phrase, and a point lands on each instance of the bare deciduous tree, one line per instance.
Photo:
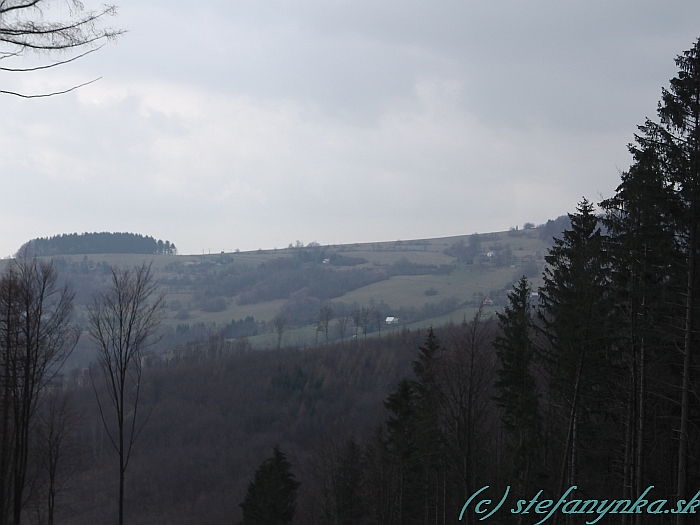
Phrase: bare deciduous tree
(56, 450)
(28, 25)
(342, 325)
(324, 318)
(279, 322)
(377, 317)
(35, 340)
(466, 376)
(356, 319)
(337, 472)
(365, 319)
(123, 322)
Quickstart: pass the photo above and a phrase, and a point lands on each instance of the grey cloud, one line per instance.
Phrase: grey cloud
(339, 120)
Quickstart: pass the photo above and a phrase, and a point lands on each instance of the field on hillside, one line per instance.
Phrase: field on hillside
(237, 295)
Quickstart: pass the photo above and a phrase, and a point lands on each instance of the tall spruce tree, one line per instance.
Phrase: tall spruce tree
(659, 203)
(574, 316)
(517, 391)
(641, 247)
(679, 131)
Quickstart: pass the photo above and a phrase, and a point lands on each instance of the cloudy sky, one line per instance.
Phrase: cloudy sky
(223, 124)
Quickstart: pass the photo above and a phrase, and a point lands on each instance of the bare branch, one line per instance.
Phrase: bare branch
(43, 95)
(60, 63)
(20, 29)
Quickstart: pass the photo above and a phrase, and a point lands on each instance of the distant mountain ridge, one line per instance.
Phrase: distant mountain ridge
(93, 243)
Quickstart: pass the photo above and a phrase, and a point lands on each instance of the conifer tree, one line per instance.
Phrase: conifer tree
(404, 445)
(437, 436)
(575, 308)
(414, 435)
(644, 262)
(667, 159)
(679, 131)
(271, 497)
(431, 411)
(517, 392)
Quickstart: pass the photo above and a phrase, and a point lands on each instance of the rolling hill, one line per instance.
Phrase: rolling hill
(237, 295)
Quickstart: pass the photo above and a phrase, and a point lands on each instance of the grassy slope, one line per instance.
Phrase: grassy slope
(464, 283)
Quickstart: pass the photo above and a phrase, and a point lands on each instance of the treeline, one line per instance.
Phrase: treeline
(472, 251)
(336, 320)
(313, 252)
(405, 267)
(91, 243)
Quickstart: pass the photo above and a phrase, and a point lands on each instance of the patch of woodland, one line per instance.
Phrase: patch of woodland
(216, 413)
(92, 243)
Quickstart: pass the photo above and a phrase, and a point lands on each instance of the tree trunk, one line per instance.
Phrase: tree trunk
(639, 463)
(685, 391)
(568, 460)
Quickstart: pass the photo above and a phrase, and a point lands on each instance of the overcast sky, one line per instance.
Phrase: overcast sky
(223, 124)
